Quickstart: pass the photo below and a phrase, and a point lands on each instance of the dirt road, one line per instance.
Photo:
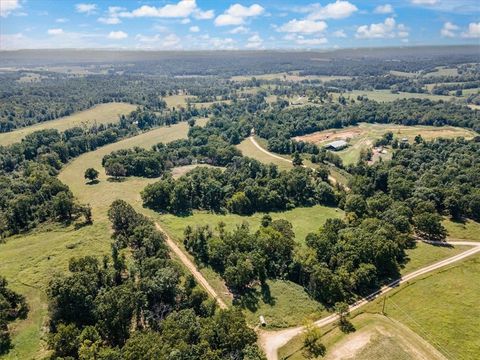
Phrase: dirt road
(272, 341)
(254, 142)
(191, 267)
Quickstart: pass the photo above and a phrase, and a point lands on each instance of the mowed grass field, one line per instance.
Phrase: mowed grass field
(463, 230)
(29, 261)
(441, 307)
(362, 136)
(377, 337)
(100, 114)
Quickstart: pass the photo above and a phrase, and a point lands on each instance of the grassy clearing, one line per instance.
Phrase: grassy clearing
(362, 136)
(443, 71)
(100, 114)
(290, 76)
(387, 96)
(424, 254)
(445, 310)
(283, 304)
(444, 302)
(403, 73)
(176, 101)
(377, 337)
(248, 149)
(30, 260)
(467, 230)
(304, 220)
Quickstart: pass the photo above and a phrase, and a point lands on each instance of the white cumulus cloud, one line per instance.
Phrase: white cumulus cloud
(182, 9)
(7, 6)
(338, 10)
(384, 9)
(424, 2)
(194, 29)
(473, 31)
(237, 13)
(386, 30)
(86, 8)
(303, 26)
(254, 42)
(239, 30)
(448, 29)
(339, 34)
(117, 35)
(55, 31)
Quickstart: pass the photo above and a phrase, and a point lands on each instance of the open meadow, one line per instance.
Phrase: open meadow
(99, 114)
(444, 301)
(362, 136)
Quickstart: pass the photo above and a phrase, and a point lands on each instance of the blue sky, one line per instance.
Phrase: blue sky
(261, 24)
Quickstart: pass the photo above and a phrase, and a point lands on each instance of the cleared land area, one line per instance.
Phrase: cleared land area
(176, 101)
(377, 337)
(304, 220)
(291, 76)
(249, 149)
(363, 136)
(387, 95)
(27, 260)
(467, 229)
(100, 114)
(445, 301)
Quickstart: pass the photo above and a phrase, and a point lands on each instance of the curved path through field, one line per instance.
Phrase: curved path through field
(257, 145)
(271, 341)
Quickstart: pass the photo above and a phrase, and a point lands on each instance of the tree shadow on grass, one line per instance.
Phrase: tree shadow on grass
(93, 182)
(118, 180)
(250, 299)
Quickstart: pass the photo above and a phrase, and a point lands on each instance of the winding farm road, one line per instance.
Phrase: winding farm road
(272, 341)
(257, 145)
(191, 267)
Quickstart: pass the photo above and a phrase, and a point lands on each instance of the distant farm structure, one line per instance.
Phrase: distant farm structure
(336, 145)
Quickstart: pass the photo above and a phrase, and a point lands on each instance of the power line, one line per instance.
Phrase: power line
(425, 332)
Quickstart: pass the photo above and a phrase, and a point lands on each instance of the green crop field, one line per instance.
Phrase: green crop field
(100, 114)
(444, 301)
(363, 136)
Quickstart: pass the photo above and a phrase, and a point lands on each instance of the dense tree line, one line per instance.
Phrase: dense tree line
(12, 307)
(140, 306)
(441, 176)
(244, 187)
(243, 257)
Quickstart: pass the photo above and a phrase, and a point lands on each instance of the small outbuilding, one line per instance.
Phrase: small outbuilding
(336, 145)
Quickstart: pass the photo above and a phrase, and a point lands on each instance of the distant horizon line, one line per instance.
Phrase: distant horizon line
(246, 50)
